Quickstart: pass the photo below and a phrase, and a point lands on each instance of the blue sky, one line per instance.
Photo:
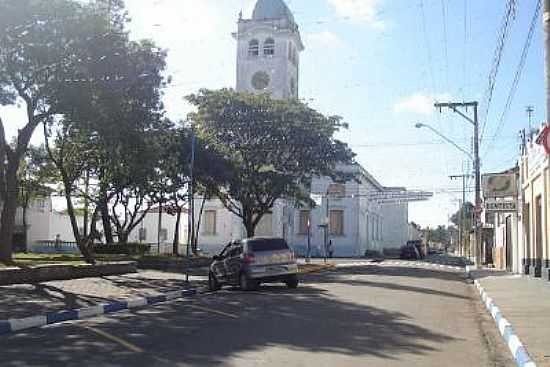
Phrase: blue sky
(371, 62)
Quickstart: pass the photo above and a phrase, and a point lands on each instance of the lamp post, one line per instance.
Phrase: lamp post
(477, 171)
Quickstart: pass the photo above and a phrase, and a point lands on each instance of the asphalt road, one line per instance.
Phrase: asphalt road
(384, 314)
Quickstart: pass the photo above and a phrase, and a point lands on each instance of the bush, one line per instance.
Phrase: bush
(122, 249)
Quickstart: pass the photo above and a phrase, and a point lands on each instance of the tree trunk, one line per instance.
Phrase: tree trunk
(176, 242)
(123, 236)
(82, 243)
(7, 222)
(25, 230)
(106, 220)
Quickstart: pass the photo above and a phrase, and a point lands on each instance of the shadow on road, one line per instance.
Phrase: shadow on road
(307, 319)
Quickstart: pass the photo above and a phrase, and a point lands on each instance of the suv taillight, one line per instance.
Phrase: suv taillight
(248, 258)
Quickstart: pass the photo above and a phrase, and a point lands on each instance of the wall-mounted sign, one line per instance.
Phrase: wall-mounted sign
(544, 139)
(500, 185)
(501, 206)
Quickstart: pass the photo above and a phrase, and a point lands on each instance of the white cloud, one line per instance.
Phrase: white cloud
(419, 104)
(360, 10)
(324, 39)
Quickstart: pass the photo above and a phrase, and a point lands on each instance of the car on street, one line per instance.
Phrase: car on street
(250, 262)
(410, 251)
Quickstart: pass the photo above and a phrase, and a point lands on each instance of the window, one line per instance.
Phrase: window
(235, 251)
(163, 234)
(303, 222)
(253, 48)
(336, 190)
(143, 234)
(269, 47)
(336, 222)
(289, 51)
(209, 227)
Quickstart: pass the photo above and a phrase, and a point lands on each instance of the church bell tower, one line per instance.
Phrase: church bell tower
(268, 51)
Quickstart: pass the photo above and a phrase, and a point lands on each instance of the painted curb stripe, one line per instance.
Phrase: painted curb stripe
(55, 317)
(514, 344)
(5, 327)
(155, 299)
(12, 325)
(90, 311)
(28, 322)
(114, 307)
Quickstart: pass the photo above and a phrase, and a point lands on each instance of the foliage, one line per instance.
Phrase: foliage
(270, 149)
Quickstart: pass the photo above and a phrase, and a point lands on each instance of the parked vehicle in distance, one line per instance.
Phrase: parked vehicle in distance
(253, 261)
(410, 251)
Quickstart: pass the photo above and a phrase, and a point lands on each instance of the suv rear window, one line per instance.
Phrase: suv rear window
(271, 244)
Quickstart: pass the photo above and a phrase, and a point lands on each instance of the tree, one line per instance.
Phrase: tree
(41, 53)
(272, 149)
(104, 144)
(37, 176)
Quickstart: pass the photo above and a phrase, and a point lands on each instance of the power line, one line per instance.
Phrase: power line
(446, 51)
(519, 71)
(504, 31)
(427, 43)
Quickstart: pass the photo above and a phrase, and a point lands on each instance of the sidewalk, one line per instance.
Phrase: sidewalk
(525, 303)
(26, 300)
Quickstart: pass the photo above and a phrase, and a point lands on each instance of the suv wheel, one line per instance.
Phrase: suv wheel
(246, 283)
(292, 282)
(213, 283)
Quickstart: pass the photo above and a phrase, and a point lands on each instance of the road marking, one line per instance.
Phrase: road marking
(207, 309)
(116, 339)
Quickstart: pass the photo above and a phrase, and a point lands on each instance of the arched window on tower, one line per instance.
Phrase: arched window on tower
(253, 48)
(269, 47)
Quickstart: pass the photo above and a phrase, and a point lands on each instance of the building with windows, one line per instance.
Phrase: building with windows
(268, 61)
(535, 217)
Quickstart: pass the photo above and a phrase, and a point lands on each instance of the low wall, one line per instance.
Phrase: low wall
(44, 273)
(173, 265)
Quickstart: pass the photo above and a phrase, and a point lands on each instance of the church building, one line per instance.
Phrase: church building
(268, 61)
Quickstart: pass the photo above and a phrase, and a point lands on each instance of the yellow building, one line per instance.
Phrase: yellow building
(535, 182)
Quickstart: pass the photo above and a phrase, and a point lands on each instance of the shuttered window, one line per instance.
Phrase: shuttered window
(336, 223)
(209, 226)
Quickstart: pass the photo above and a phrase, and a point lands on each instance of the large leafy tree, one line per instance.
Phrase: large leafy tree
(271, 148)
(106, 144)
(43, 47)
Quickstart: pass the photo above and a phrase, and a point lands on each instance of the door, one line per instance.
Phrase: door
(218, 267)
(508, 243)
(538, 231)
(233, 263)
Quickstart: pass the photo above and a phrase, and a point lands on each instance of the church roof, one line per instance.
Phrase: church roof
(272, 9)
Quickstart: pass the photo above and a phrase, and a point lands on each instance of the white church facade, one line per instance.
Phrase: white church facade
(268, 61)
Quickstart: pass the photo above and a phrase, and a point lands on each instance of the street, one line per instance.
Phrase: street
(393, 313)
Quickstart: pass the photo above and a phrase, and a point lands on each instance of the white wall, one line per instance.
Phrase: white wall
(395, 227)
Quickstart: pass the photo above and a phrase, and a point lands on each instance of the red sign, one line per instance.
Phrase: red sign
(545, 139)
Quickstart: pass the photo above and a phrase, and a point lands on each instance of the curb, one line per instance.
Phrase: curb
(316, 270)
(518, 350)
(13, 325)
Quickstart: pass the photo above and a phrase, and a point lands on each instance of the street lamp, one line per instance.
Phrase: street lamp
(420, 125)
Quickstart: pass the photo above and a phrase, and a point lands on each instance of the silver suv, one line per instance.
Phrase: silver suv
(252, 261)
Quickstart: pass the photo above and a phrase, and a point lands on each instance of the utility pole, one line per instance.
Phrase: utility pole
(191, 206)
(456, 107)
(546, 23)
(461, 212)
(530, 110)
